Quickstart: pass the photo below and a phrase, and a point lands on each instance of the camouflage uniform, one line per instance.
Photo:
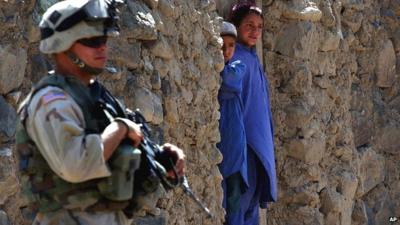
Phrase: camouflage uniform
(56, 124)
(63, 170)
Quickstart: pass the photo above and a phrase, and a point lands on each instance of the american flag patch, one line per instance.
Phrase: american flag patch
(52, 96)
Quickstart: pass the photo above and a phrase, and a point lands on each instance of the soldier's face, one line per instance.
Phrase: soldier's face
(93, 51)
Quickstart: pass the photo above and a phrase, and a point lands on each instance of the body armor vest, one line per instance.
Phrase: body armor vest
(46, 191)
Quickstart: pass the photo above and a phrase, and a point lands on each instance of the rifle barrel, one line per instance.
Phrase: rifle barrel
(186, 188)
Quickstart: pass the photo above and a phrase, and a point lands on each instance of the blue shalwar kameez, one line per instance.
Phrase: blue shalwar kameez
(259, 136)
(233, 138)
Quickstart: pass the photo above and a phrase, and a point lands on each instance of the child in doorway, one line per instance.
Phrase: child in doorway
(257, 116)
(233, 140)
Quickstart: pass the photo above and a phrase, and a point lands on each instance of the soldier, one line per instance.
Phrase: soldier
(71, 126)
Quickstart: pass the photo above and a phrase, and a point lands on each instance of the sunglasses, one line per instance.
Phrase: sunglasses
(94, 42)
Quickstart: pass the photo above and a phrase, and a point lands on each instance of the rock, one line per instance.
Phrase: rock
(395, 104)
(13, 98)
(162, 49)
(126, 53)
(298, 40)
(396, 40)
(344, 153)
(161, 66)
(4, 218)
(298, 115)
(348, 183)
(386, 139)
(299, 81)
(331, 201)
(352, 19)
(386, 66)
(307, 215)
(8, 116)
(39, 67)
(322, 82)
(310, 151)
(324, 64)
(167, 8)
(151, 220)
(330, 42)
(149, 104)
(171, 109)
(175, 72)
(353, 4)
(208, 5)
(371, 170)
(156, 81)
(40, 8)
(301, 10)
(151, 3)
(13, 62)
(359, 215)
(304, 197)
(328, 18)
(8, 187)
(139, 23)
(363, 129)
(395, 5)
(5, 152)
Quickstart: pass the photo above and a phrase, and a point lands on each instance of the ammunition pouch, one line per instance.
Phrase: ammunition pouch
(120, 185)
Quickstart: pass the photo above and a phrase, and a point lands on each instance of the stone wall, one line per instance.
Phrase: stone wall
(167, 63)
(333, 68)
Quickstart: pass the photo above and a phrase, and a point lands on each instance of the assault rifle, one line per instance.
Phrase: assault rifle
(160, 162)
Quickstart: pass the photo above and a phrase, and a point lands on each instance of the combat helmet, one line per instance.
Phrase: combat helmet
(68, 21)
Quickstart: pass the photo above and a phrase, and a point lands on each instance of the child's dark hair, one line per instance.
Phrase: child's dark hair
(241, 10)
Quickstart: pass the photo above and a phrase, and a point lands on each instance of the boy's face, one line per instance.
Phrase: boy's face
(249, 30)
(228, 48)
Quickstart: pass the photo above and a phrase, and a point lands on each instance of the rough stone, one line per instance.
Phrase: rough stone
(359, 215)
(152, 3)
(331, 201)
(149, 104)
(3, 218)
(352, 20)
(139, 23)
(302, 10)
(328, 17)
(12, 67)
(387, 140)
(330, 42)
(362, 129)
(371, 170)
(38, 67)
(298, 115)
(126, 53)
(166, 8)
(8, 116)
(14, 97)
(386, 66)
(162, 49)
(310, 151)
(8, 187)
(5, 152)
(298, 40)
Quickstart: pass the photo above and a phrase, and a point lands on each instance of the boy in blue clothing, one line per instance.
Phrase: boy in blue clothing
(233, 140)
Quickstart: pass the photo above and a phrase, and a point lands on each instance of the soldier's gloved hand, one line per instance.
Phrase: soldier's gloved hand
(134, 132)
(178, 157)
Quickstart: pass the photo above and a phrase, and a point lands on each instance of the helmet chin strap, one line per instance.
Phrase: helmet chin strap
(82, 65)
